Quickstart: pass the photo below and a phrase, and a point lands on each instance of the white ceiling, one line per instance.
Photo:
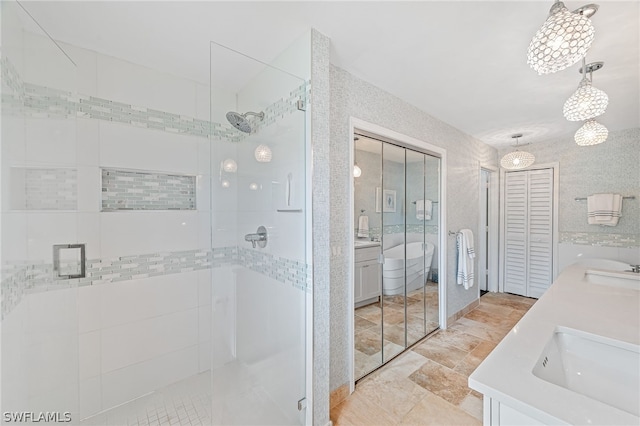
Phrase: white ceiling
(462, 62)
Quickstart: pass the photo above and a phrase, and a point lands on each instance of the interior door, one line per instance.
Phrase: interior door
(528, 267)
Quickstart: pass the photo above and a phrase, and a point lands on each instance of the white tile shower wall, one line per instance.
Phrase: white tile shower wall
(352, 97)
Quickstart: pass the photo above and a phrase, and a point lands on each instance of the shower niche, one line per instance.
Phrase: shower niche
(396, 234)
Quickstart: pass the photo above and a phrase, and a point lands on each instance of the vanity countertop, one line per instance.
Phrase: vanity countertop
(365, 243)
(506, 374)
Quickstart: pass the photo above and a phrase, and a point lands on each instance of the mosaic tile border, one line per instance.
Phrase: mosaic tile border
(137, 190)
(20, 280)
(11, 78)
(400, 229)
(600, 239)
(35, 101)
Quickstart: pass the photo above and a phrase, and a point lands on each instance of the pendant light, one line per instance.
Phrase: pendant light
(357, 171)
(587, 102)
(517, 159)
(591, 133)
(562, 40)
(263, 154)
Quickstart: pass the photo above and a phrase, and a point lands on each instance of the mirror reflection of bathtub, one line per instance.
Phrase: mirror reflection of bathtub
(418, 267)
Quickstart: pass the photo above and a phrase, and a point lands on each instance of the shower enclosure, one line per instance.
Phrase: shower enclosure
(130, 294)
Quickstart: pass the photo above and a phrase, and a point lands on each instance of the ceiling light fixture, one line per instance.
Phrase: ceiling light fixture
(517, 159)
(263, 154)
(357, 171)
(587, 102)
(562, 40)
(591, 133)
(229, 166)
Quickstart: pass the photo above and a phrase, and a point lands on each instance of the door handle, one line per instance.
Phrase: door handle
(56, 261)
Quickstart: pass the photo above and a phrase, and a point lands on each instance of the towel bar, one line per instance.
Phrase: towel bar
(632, 197)
(433, 202)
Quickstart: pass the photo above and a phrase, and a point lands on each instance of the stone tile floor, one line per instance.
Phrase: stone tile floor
(428, 384)
(422, 318)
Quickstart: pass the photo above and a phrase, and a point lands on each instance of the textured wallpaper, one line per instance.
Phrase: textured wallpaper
(352, 97)
(613, 166)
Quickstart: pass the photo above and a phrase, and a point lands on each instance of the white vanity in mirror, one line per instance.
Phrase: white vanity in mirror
(367, 280)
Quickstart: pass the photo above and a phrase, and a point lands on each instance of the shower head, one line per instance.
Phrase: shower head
(240, 122)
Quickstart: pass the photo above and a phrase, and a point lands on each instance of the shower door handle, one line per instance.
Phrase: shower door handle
(56, 261)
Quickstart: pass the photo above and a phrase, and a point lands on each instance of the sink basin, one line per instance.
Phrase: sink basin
(600, 368)
(613, 278)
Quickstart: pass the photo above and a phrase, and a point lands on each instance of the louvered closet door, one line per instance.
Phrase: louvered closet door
(529, 232)
(515, 252)
(540, 271)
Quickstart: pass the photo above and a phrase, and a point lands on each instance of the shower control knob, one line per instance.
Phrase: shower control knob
(259, 238)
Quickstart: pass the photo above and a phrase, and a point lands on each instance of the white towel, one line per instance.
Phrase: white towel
(604, 209)
(466, 253)
(424, 209)
(363, 226)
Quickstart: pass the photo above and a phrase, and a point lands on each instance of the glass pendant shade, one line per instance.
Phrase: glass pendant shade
(263, 154)
(357, 171)
(562, 41)
(587, 102)
(591, 133)
(517, 160)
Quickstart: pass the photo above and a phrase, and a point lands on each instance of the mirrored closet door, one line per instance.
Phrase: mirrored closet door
(396, 199)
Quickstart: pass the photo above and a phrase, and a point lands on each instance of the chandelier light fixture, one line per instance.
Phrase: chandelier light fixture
(263, 154)
(563, 39)
(587, 102)
(517, 159)
(591, 133)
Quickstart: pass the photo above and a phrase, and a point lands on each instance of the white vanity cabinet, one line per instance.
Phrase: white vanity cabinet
(367, 278)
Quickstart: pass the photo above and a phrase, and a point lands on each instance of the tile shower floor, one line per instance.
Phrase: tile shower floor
(428, 384)
(369, 319)
(242, 397)
(187, 402)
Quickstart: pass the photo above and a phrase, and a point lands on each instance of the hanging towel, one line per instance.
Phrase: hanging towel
(363, 226)
(424, 209)
(466, 253)
(604, 209)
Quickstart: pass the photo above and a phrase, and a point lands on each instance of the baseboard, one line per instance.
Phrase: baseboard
(464, 311)
(338, 395)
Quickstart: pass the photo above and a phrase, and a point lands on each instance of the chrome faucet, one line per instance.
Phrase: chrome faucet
(635, 268)
(259, 238)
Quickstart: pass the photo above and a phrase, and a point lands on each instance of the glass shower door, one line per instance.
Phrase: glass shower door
(260, 279)
(42, 260)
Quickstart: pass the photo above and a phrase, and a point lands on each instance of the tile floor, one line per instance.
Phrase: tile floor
(371, 320)
(428, 384)
(187, 402)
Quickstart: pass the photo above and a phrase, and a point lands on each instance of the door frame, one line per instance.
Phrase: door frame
(554, 236)
(494, 223)
(356, 123)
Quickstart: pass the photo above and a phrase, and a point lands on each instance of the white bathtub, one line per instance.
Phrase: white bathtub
(418, 266)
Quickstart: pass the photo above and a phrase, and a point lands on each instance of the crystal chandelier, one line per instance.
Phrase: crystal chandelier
(587, 102)
(563, 39)
(517, 159)
(591, 133)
